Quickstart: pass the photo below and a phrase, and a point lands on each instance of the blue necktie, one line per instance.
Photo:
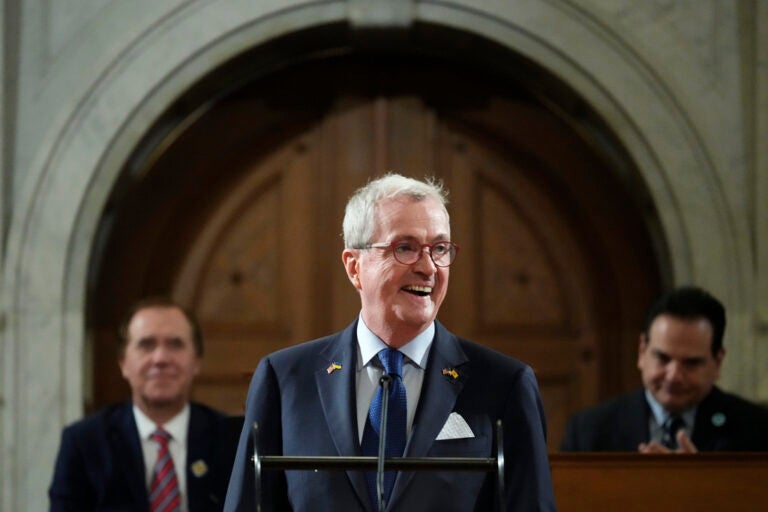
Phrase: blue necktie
(396, 422)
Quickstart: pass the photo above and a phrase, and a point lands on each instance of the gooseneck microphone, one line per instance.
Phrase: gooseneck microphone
(384, 382)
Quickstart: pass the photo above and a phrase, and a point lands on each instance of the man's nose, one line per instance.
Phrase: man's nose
(425, 264)
(161, 354)
(674, 371)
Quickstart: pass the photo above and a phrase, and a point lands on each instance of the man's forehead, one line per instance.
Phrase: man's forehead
(391, 212)
(669, 325)
(680, 338)
(163, 318)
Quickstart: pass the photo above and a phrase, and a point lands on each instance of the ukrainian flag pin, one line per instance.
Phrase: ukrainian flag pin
(452, 372)
(333, 367)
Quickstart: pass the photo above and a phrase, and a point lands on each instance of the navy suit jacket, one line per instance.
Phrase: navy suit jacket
(302, 409)
(100, 464)
(724, 422)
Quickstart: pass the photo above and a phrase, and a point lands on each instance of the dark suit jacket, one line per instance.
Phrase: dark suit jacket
(303, 409)
(724, 422)
(100, 464)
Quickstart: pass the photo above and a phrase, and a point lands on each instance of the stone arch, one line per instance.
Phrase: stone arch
(52, 237)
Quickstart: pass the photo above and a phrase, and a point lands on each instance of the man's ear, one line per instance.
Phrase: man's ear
(120, 362)
(719, 359)
(642, 344)
(350, 258)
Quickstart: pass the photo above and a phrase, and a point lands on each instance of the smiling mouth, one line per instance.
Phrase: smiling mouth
(421, 291)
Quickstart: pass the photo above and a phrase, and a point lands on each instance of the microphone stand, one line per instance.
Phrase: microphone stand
(384, 383)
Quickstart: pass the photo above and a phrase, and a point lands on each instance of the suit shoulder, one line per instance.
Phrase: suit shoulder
(299, 354)
(755, 412)
(611, 407)
(99, 421)
(207, 411)
(495, 370)
(311, 346)
(489, 357)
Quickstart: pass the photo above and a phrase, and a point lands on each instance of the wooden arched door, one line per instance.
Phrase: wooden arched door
(241, 218)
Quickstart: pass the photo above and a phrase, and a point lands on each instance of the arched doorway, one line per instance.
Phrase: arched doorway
(238, 215)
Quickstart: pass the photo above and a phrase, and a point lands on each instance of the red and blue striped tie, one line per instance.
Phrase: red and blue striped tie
(164, 490)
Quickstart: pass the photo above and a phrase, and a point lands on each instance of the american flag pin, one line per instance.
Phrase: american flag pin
(333, 367)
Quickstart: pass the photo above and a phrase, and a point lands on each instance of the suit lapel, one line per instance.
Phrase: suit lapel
(126, 448)
(199, 438)
(632, 428)
(711, 419)
(336, 389)
(438, 397)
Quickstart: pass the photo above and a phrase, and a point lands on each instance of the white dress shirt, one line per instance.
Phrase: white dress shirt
(177, 445)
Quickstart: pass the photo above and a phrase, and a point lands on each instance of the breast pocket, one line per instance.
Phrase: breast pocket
(453, 442)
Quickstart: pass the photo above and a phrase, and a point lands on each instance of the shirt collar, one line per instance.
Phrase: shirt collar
(661, 415)
(415, 350)
(176, 426)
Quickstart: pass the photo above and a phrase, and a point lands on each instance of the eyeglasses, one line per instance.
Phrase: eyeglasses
(409, 252)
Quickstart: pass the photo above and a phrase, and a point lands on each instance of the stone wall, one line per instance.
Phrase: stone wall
(683, 84)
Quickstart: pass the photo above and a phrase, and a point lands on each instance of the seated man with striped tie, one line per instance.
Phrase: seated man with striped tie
(158, 452)
(679, 408)
(445, 394)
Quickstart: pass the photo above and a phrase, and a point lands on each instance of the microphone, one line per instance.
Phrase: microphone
(384, 382)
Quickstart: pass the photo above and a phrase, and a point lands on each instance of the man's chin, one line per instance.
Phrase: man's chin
(420, 317)
(164, 399)
(675, 404)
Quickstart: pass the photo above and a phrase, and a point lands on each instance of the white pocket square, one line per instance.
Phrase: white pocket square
(455, 428)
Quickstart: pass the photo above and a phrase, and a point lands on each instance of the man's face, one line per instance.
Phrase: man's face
(676, 361)
(399, 301)
(160, 361)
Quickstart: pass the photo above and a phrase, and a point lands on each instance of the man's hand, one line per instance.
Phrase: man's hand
(684, 445)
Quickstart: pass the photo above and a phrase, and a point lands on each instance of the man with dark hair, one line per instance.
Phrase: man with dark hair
(679, 408)
(159, 452)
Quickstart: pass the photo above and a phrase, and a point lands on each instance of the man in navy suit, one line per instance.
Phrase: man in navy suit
(679, 409)
(313, 399)
(105, 462)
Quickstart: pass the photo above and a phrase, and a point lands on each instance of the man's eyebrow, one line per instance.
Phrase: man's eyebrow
(692, 359)
(439, 238)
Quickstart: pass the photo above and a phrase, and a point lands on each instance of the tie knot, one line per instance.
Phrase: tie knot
(161, 436)
(393, 361)
(674, 423)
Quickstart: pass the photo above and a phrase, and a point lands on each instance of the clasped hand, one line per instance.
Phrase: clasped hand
(684, 445)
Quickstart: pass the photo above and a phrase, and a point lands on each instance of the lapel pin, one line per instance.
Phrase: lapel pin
(333, 367)
(718, 419)
(199, 468)
(452, 372)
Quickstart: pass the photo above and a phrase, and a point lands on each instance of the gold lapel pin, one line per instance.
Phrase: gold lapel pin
(199, 468)
(452, 372)
(333, 367)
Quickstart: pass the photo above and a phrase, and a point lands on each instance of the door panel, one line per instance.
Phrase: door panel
(554, 267)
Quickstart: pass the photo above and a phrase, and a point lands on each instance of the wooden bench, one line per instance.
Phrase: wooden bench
(624, 482)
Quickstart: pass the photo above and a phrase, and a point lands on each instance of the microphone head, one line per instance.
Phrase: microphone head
(385, 379)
